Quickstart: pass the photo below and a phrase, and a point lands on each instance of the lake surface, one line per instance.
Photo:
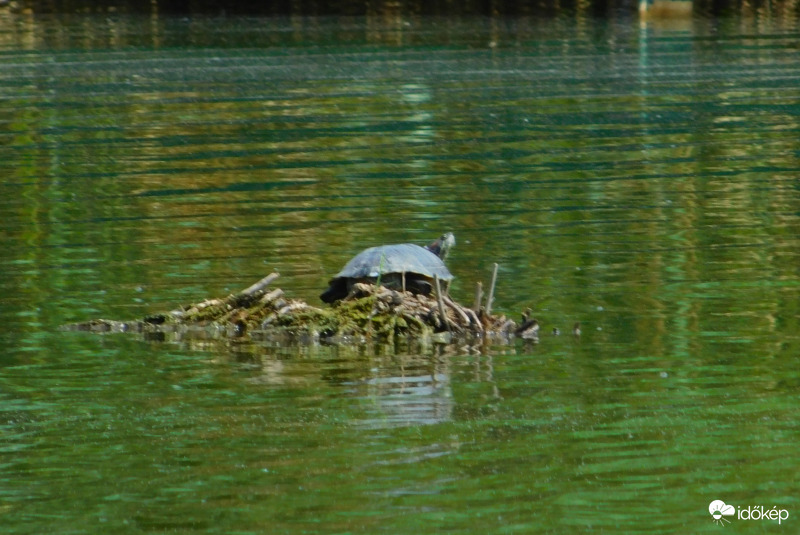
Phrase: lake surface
(643, 180)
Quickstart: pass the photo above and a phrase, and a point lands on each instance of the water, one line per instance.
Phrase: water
(642, 180)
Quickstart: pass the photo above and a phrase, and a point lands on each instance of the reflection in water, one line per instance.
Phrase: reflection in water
(408, 400)
(400, 390)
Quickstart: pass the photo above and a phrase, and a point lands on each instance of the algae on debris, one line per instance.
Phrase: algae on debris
(368, 312)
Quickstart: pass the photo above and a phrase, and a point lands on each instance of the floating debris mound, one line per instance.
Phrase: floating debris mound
(368, 312)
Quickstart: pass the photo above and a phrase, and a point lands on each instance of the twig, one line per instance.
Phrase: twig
(478, 296)
(476, 322)
(490, 299)
(291, 307)
(452, 304)
(205, 304)
(246, 297)
(441, 302)
(260, 285)
(271, 296)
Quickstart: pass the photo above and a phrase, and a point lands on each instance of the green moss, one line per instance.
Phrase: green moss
(379, 314)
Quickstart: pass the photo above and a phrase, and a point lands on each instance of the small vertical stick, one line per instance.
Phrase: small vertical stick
(490, 298)
(403, 275)
(478, 297)
(441, 301)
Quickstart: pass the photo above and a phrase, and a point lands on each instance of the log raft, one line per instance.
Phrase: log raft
(369, 312)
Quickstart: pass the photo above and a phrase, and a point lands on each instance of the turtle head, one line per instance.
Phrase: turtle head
(442, 246)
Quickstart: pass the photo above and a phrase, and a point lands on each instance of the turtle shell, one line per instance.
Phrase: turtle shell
(400, 258)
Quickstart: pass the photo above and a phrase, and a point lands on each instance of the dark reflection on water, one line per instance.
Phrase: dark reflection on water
(642, 180)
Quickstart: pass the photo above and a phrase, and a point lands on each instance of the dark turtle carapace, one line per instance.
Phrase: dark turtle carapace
(401, 266)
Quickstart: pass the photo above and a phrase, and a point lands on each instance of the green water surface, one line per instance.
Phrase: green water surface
(641, 179)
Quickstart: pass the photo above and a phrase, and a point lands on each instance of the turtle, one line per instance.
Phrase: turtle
(403, 266)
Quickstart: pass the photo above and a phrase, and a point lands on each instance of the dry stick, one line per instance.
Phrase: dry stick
(291, 307)
(240, 306)
(205, 304)
(474, 319)
(260, 285)
(277, 302)
(246, 297)
(491, 292)
(462, 312)
(441, 302)
(478, 297)
(268, 298)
